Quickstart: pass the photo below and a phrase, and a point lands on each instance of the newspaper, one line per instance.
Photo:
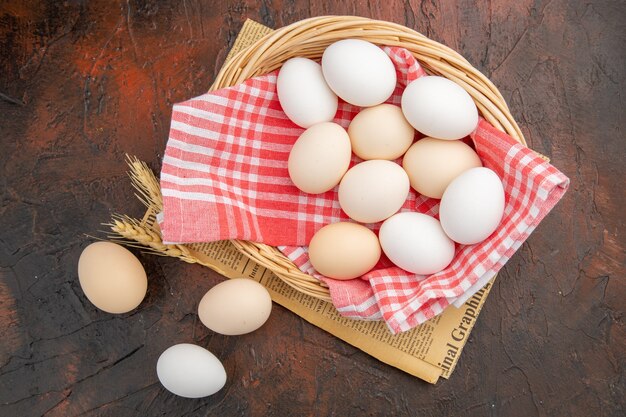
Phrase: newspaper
(250, 32)
(429, 351)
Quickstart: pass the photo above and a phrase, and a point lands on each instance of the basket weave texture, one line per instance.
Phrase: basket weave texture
(309, 38)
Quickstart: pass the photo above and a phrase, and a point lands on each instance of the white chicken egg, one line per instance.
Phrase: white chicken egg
(359, 72)
(303, 93)
(416, 243)
(439, 108)
(472, 206)
(190, 371)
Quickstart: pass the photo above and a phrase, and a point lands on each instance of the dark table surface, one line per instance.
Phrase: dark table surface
(82, 83)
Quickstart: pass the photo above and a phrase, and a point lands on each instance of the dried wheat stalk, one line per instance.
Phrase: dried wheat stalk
(145, 232)
(146, 184)
(131, 230)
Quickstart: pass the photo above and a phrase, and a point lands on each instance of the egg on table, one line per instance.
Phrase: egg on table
(472, 206)
(319, 158)
(359, 72)
(373, 190)
(432, 164)
(190, 371)
(380, 132)
(303, 93)
(416, 243)
(111, 277)
(439, 108)
(235, 307)
(344, 250)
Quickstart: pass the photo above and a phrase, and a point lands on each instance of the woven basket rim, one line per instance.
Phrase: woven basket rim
(308, 38)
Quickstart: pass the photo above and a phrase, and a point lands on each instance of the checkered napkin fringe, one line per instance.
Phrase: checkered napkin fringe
(224, 176)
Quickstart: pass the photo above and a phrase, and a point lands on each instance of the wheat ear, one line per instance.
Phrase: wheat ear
(146, 184)
(130, 230)
(141, 234)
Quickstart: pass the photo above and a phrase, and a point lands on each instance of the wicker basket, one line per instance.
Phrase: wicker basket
(308, 38)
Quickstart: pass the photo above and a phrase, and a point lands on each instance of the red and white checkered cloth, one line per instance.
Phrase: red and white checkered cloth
(225, 176)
